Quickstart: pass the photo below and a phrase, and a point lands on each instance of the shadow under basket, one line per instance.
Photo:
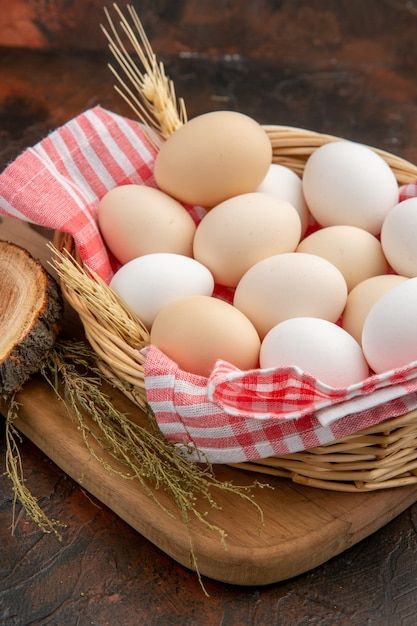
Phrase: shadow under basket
(380, 457)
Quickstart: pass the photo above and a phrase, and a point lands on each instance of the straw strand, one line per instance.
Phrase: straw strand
(143, 83)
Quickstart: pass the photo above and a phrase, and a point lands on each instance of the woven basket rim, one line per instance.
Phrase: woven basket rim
(380, 457)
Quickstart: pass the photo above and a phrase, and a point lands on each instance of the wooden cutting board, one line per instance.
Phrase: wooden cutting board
(303, 527)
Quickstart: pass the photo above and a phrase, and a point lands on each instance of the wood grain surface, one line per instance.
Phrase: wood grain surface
(345, 67)
(30, 315)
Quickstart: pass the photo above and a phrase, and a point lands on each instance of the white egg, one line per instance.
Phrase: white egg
(151, 282)
(399, 237)
(284, 184)
(389, 336)
(318, 347)
(349, 184)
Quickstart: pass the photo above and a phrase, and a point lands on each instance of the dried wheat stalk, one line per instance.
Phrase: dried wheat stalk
(142, 82)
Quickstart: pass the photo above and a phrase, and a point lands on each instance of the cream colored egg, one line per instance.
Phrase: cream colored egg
(241, 231)
(318, 347)
(389, 336)
(290, 285)
(354, 251)
(362, 298)
(195, 332)
(213, 157)
(348, 183)
(135, 220)
(284, 184)
(399, 237)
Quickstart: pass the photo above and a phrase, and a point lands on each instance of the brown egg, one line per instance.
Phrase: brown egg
(196, 331)
(213, 157)
(243, 230)
(136, 220)
(362, 298)
(354, 251)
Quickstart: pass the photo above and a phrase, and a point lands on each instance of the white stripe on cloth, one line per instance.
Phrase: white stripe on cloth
(163, 406)
(73, 169)
(91, 155)
(324, 434)
(196, 409)
(42, 155)
(169, 429)
(331, 414)
(218, 432)
(10, 210)
(294, 443)
(118, 155)
(264, 449)
(138, 145)
(159, 382)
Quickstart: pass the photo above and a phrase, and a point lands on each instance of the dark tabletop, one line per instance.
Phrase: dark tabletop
(346, 67)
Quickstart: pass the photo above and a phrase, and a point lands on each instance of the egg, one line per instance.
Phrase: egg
(213, 157)
(243, 230)
(135, 220)
(389, 336)
(283, 184)
(349, 184)
(151, 282)
(362, 298)
(399, 237)
(290, 285)
(318, 347)
(195, 332)
(354, 251)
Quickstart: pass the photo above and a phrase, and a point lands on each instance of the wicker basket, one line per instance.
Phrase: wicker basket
(377, 458)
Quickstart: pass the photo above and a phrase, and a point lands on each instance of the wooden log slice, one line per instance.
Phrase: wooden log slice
(30, 314)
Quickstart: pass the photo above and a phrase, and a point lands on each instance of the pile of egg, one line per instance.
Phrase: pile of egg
(336, 302)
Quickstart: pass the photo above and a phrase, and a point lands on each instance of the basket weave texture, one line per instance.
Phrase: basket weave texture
(380, 457)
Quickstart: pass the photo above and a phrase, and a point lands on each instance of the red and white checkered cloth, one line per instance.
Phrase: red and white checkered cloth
(59, 182)
(232, 416)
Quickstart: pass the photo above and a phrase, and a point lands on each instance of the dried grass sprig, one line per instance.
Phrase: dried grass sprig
(142, 82)
(144, 453)
(101, 302)
(14, 471)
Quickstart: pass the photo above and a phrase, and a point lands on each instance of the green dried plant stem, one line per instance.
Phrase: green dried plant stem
(130, 392)
(145, 453)
(14, 471)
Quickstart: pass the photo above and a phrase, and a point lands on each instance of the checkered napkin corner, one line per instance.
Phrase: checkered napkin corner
(235, 416)
(59, 181)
